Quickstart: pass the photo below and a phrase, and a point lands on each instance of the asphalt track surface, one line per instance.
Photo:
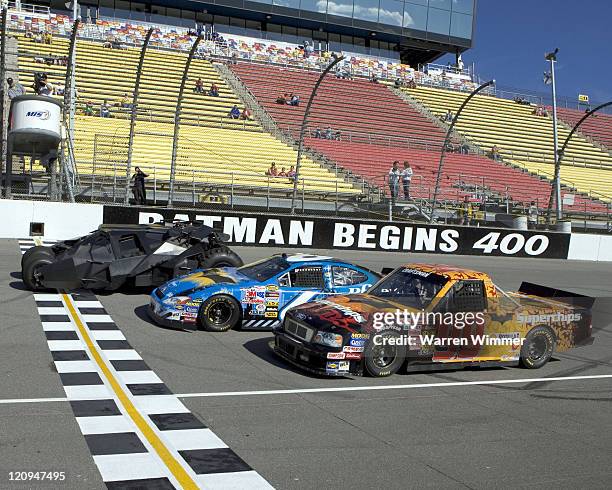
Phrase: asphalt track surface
(437, 434)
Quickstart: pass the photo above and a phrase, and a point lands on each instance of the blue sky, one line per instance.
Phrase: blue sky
(512, 36)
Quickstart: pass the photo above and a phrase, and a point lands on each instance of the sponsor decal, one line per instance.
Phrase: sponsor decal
(42, 115)
(353, 355)
(271, 287)
(336, 355)
(334, 367)
(271, 304)
(351, 348)
(271, 314)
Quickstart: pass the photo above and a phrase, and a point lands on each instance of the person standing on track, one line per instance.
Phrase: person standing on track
(139, 190)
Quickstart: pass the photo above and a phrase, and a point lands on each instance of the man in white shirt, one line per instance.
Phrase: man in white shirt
(394, 177)
(406, 178)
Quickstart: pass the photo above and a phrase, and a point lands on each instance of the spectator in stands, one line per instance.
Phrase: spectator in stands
(495, 155)
(15, 89)
(47, 38)
(464, 149)
(465, 212)
(28, 33)
(234, 112)
(308, 49)
(89, 109)
(60, 90)
(116, 44)
(394, 178)
(295, 100)
(398, 83)
(281, 99)
(412, 83)
(234, 58)
(406, 179)
(126, 102)
(291, 173)
(246, 114)
(329, 134)
(338, 135)
(199, 86)
(532, 216)
(38, 38)
(374, 78)
(272, 171)
(138, 189)
(448, 117)
(317, 133)
(105, 109)
(214, 90)
(282, 173)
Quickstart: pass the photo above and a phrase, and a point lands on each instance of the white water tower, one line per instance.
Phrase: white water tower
(35, 125)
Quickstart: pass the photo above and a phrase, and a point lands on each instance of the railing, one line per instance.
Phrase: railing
(28, 8)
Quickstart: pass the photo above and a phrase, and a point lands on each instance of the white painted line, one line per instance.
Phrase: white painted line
(121, 354)
(87, 392)
(9, 401)
(154, 404)
(138, 377)
(65, 345)
(97, 318)
(88, 304)
(105, 424)
(58, 326)
(393, 387)
(107, 334)
(47, 297)
(193, 439)
(52, 310)
(75, 367)
(237, 480)
(115, 467)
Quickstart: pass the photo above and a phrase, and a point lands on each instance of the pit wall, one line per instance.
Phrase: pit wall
(67, 220)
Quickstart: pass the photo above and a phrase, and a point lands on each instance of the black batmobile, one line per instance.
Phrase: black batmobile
(131, 255)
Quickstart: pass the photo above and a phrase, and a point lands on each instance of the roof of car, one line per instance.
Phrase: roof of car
(449, 271)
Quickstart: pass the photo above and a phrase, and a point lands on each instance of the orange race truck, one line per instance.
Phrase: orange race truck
(425, 317)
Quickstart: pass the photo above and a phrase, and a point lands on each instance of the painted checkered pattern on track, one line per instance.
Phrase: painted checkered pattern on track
(26, 243)
(89, 352)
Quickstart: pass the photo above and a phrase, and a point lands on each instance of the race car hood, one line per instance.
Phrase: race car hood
(202, 279)
(354, 313)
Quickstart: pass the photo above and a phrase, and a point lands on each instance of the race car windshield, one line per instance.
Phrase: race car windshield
(409, 287)
(264, 269)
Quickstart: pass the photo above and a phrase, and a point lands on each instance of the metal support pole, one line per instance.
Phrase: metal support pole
(447, 140)
(557, 179)
(303, 130)
(134, 111)
(177, 119)
(561, 154)
(3, 129)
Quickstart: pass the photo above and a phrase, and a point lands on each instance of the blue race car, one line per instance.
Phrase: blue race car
(254, 296)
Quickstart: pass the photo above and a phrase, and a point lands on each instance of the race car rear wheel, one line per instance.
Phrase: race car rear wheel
(220, 257)
(382, 357)
(219, 313)
(38, 250)
(537, 348)
(31, 271)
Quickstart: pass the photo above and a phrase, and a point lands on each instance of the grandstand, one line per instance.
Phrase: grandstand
(598, 127)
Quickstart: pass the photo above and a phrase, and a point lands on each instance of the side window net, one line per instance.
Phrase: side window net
(307, 277)
(469, 296)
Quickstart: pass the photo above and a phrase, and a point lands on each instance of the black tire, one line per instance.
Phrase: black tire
(31, 268)
(35, 252)
(383, 360)
(219, 313)
(220, 257)
(538, 347)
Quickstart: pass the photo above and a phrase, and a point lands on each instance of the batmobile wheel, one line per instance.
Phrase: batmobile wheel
(36, 251)
(382, 357)
(219, 313)
(31, 271)
(220, 257)
(537, 348)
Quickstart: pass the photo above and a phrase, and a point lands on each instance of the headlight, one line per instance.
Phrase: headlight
(177, 300)
(328, 338)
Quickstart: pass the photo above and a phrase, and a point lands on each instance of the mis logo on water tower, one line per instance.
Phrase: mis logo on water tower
(42, 115)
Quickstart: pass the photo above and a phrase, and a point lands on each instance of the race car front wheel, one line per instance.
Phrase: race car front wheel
(383, 356)
(36, 251)
(31, 271)
(220, 257)
(537, 348)
(219, 313)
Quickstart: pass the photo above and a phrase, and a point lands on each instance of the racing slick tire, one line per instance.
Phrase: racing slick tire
(537, 348)
(220, 257)
(219, 313)
(34, 252)
(30, 269)
(386, 359)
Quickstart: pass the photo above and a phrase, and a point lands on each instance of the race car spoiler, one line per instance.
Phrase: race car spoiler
(574, 299)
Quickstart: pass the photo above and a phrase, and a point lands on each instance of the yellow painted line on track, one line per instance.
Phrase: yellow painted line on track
(165, 455)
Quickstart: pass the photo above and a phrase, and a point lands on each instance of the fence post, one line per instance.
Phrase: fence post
(193, 187)
(177, 118)
(4, 167)
(134, 111)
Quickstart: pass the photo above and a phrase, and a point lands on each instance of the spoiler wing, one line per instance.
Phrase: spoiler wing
(573, 299)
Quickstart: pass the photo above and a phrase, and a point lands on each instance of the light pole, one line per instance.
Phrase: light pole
(447, 140)
(550, 80)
